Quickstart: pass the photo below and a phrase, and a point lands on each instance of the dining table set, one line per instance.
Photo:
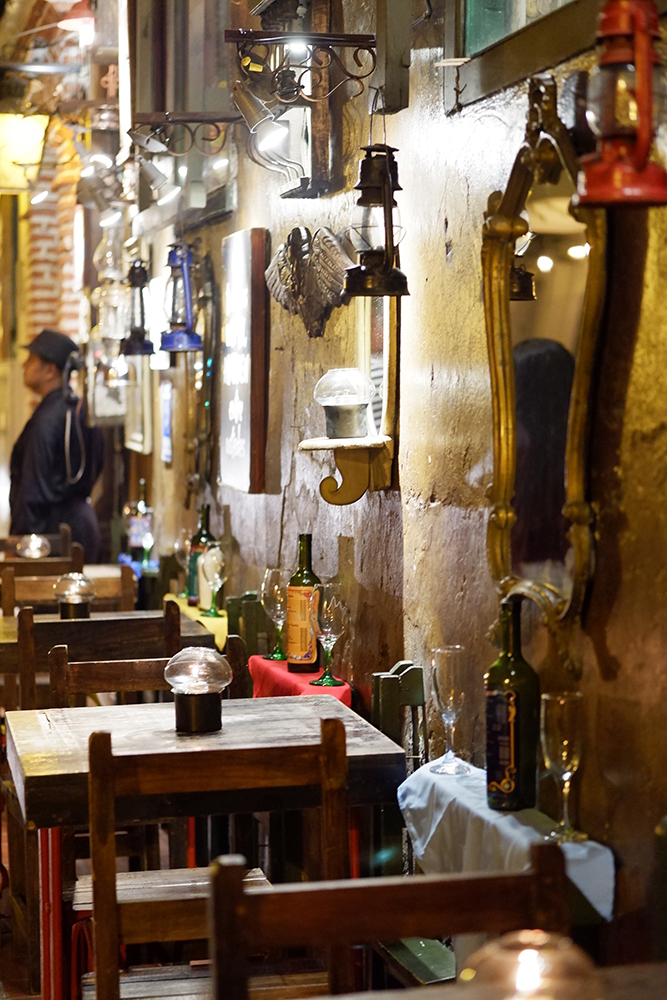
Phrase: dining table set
(444, 806)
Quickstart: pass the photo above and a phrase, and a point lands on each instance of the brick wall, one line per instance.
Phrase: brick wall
(52, 300)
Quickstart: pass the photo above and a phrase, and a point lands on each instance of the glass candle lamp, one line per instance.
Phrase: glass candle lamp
(137, 279)
(198, 676)
(345, 394)
(33, 547)
(532, 965)
(74, 593)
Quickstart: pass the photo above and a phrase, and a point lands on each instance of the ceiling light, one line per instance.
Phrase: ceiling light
(172, 191)
(39, 197)
(110, 216)
(148, 142)
(221, 163)
(545, 264)
(103, 159)
(88, 171)
(579, 251)
(251, 107)
(269, 134)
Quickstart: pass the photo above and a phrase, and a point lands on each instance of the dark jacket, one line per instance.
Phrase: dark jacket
(41, 496)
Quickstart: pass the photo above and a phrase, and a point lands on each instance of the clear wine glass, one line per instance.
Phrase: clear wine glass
(562, 737)
(147, 543)
(182, 555)
(328, 616)
(213, 568)
(447, 680)
(274, 602)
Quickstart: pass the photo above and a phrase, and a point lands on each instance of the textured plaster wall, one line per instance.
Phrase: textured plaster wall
(415, 560)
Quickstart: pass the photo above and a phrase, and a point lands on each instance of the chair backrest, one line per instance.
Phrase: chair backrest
(120, 635)
(400, 687)
(323, 764)
(88, 677)
(360, 911)
(247, 617)
(114, 591)
(71, 679)
(61, 543)
(51, 566)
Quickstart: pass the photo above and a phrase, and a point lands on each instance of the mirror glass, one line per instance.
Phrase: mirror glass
(544, 343)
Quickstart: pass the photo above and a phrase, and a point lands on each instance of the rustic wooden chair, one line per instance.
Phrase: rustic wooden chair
(49, 566)
(362, 911)
(175, 913)
(115, 591)
(120, 635)
(61, 543)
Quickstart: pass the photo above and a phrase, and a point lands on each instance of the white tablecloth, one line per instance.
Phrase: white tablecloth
(453, 830)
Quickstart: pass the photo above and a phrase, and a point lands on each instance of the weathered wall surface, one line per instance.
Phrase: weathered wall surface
(415, 560)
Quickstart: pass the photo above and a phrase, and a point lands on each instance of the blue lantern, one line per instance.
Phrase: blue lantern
(179, 304)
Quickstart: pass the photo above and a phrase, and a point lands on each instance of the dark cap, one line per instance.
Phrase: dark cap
(49, 345)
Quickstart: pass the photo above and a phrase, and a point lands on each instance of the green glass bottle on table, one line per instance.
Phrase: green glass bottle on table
(301, 640)
(512, 719)
(198, 543)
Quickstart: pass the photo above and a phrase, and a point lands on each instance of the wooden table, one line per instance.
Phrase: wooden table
(620, 982)
(47, 754)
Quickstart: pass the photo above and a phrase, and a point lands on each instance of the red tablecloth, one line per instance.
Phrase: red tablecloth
(272, 679)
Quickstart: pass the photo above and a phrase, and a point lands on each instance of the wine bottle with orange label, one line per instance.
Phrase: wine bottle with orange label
(301, 641)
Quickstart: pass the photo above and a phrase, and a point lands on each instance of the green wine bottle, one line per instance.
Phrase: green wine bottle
(138, 517)
(198, 543)
(512, 719)
(301, 641)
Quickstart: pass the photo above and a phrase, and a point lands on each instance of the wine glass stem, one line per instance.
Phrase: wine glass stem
(327, 660)
(278, 651)
(213, 610)
(449, 738)
(566, 798)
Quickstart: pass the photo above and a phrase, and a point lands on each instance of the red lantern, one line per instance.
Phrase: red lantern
(626, 99)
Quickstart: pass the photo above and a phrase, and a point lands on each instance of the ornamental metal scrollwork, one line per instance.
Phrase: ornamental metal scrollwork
(547, 151)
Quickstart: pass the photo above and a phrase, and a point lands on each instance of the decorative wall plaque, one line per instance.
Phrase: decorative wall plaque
(244, 375)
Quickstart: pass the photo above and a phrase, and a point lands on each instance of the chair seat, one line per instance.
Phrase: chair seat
(418, 961)
(157, 886)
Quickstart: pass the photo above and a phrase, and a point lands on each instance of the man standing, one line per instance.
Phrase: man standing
(56, 459)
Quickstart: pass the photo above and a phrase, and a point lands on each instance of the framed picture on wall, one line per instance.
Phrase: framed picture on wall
(244, 360)
(139, 412)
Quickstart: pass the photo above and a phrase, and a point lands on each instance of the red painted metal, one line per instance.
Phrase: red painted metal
(619, 172)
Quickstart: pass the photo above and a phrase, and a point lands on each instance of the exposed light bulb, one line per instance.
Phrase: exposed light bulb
(270, 134)
(102, 159)
(172, 191)
(579, 251)
(220, 164)
(110, 217)
(88, 171)
(183, 171)
(39, 197)
(545, 264)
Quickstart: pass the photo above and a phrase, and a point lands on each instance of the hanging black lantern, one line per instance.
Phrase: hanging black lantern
(376, 230)
(137, 342)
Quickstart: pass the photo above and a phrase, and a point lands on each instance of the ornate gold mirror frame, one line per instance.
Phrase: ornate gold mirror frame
(546, 150)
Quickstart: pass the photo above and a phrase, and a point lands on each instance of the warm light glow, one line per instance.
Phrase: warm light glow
(269, 134)
(39, 197)
(221, 163)
(579, 251)
(172, 191)
(21, 145)
(297, 48)
(81, 20)
(528, 976)
(545, 264)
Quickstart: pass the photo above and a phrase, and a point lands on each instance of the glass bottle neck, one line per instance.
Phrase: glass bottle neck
(142, 490)
(516, 630)
(505, 629)
(305, 557)
(204, 517)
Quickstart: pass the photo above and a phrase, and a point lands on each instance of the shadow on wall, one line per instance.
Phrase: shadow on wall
(628, 242)
(374, 639)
